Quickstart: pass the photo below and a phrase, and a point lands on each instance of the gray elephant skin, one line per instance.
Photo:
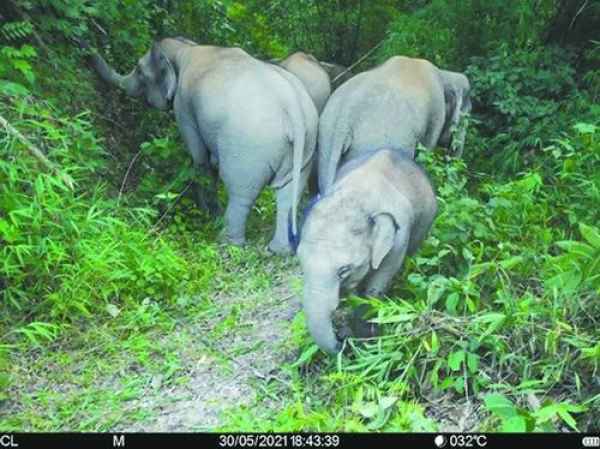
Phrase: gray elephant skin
(251, 121)
(314, 78)
(316, 81)
(379, 209)
(397, 105)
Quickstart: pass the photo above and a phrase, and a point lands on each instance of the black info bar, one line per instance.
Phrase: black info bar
(298, 440)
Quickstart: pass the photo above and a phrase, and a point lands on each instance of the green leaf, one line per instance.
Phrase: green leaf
(387, 401)
(306, 356)
(398, 318)
(500, 405)
(455, 359)
(514, 424)
(567, 418)
(590, 234)
(585, 128)
(435, 291)
(477, 269)
(368, 409)
(13, 89)
(511, 262)
(8, 232)
(495, 321)
(435, 343)
(472, 362)
(578, 248)
(452, 302)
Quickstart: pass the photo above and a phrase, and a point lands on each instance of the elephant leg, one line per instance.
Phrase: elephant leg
(205, 192)
(241, 200)
(434, 130)
(209, 191)
(280, 243)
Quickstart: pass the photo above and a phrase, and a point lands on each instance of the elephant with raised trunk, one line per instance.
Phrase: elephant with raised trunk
(251, 121)
(356, 236)
(399, 104)
(308, 70)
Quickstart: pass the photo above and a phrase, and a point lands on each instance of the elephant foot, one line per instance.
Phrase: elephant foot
(280, 249)
(224, 237)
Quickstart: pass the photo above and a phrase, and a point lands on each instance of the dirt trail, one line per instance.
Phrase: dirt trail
(223, 373)
(226, 357)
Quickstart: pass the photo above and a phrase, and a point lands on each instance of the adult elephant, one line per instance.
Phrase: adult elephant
(250, 120)
(397, 105)
(308, 70)
(317, 83)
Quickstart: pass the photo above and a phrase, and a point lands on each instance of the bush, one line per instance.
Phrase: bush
(523, 100)
(473, 314)
(71, 254)
(449, 33)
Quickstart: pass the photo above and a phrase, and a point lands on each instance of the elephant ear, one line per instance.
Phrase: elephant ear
(166, 77)
(383, 231)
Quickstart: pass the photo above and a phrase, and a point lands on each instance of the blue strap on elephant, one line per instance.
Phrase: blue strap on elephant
(294, 239)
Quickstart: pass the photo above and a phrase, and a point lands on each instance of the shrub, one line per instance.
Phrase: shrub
(68, 254)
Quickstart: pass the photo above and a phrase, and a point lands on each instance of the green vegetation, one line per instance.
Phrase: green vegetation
(119, 304)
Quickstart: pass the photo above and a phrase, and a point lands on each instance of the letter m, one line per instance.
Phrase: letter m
(118, 441)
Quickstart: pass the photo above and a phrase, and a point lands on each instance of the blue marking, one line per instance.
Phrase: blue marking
(294, 239)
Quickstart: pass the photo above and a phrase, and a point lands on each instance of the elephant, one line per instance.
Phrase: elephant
(399, 104)
(338, 74)
(308, 70)
(316, 81)
(379, 209)
(251, 121)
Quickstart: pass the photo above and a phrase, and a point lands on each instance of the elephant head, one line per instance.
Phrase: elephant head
(154, 77)
(345, 237)
(458, 104)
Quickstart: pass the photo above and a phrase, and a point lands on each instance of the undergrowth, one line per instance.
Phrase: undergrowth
(495, 316)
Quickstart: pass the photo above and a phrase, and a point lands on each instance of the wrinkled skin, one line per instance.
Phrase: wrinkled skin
(399, 104)
(380, 208)
(251, 121)
(311, 74)
(338, 74)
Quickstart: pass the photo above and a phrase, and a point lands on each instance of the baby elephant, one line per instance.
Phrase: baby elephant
(379, 209)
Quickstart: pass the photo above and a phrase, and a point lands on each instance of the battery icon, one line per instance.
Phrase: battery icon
(590, 441)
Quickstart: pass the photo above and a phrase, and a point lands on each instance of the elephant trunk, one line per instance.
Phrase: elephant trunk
(129, 83)
(318, 308)
(458, 141)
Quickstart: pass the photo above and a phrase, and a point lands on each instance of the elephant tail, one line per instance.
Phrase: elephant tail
(298, 138)
(335, 137)
(294, 238)
(331, 150)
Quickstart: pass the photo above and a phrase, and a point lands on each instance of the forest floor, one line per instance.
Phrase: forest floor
(199, 371)
(186, 372)
(227, 357)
